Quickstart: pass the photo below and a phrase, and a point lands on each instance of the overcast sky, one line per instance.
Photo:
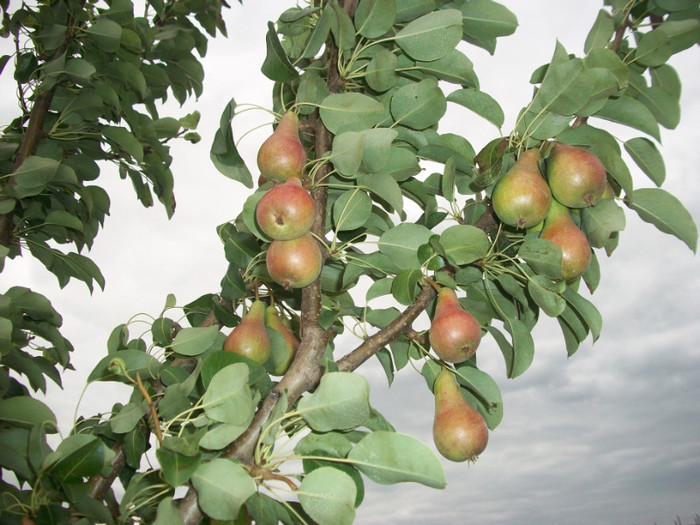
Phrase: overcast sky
(611, 435)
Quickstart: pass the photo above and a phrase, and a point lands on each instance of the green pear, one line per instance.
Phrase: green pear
(560, 229)
(521, 197)
(282, 155)
(575, 175)
(250, 338)
(280, 356)
(454, 333)
(294, 263)
(459, 431)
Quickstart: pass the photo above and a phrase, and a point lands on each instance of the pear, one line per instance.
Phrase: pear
(454, 333)
(281, 357)
(282, 155)
(294, 263)
(250, 338)
(575, 175)
(286, 211)
(521, 197)
(560, 229)
(459, 431)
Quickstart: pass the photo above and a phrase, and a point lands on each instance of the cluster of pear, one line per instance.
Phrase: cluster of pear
(459, 431)
(524, 199)
(251, 338)
(286, 212)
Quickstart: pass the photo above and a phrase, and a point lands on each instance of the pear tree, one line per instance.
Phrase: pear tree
(248, 404)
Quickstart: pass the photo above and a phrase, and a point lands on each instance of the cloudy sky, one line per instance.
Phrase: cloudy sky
(611, 435)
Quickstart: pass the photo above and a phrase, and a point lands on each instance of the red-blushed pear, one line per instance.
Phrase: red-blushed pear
(285, 211)
(294, 263)
(575, 175)
(280, 357)
(521, 197)
(560, 229)
(282, 155)
(250, 338)
(459, 431)
(454, 333)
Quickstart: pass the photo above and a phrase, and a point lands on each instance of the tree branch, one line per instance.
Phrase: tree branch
(376, 342)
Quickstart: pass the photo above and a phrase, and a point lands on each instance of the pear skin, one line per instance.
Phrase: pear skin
(521, 197)
(459, 431)
(560, 229)
(294, 263)
(454, 333)
(282, 155)
(280, 358)
(285, 211)
(575, 175)
(250, 338)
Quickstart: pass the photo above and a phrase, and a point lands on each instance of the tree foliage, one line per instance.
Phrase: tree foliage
(402, 210)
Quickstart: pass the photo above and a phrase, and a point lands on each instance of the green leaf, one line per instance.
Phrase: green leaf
(319, 34)
(588, 313)
(192, 341)
(630, 112)
(664, 106)
(666, 212)
(401, 244)
(599, 222)
(351, 210)
(682, 34)
(377, 148)
(224, 153)
(228, 398)
(431, 36)
(177, 468)
(380, 73)
(33, 175)
(222, 486)
(545, 293)
(350, 112)
(646, 155)
(112, 366)
(485, 20)
(454, 67)
(78, 456)
(128, 417)
(654, 49)
(520, 354)
(106, 33)
(418, 105)
(276, 65)
(480, 103)
(543, 256)
(346, 152)
(64, 218)
(385, 188)
(26, 412)
(404, 285)
(483, 393)
(342, 28)
(374, 18)
(389, 457)
(168, 513)
(566, 87)
(464, 244)
(125, 140)
(340, 402)
(328, 496)
(220, 436)
(601, 32)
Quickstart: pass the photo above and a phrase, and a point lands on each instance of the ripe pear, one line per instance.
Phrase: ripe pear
(575, 175)
(282, 155)
(459, 431)
(454, 333)
(294, 263)
(286, 211)
(280, 358)
(521, 197)
(250, 338)
(560, 229)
